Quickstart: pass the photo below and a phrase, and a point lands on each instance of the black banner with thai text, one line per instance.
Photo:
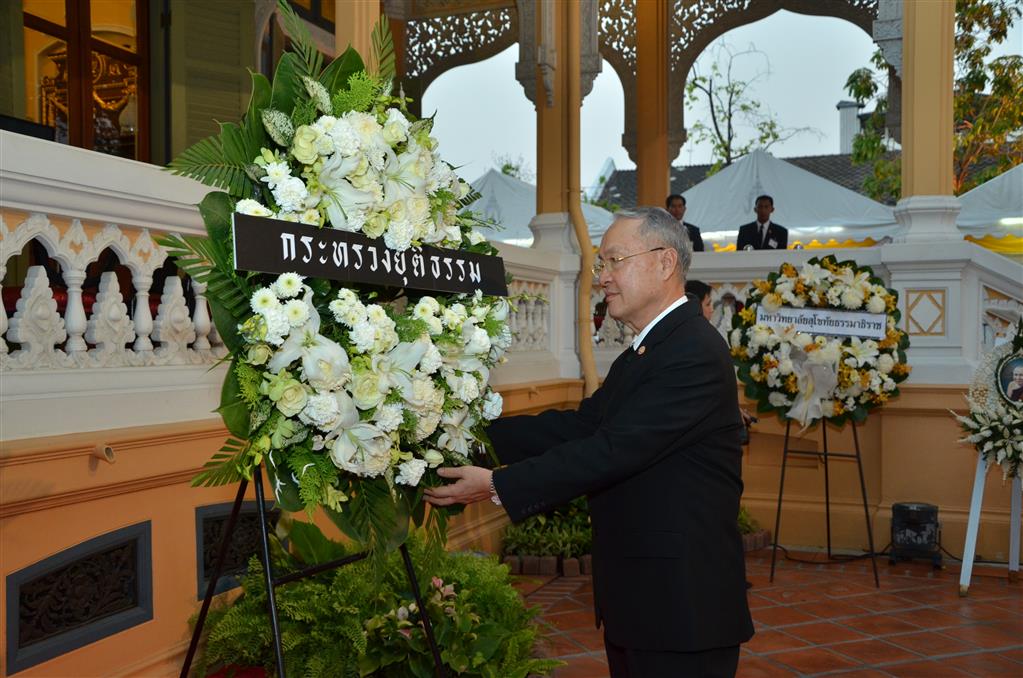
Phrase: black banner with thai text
(274, 246)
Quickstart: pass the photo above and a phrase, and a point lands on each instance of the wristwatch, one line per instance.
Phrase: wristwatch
(493, 492)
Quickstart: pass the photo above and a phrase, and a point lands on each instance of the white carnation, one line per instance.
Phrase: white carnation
(852, 298)
(431, 360)
(388, 417)
(410, 472)
(277, 326)
(364, 336)
(399, 235)
(321, 410)
(290, 194)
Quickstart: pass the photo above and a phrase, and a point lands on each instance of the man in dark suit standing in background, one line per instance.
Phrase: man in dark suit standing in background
(656, 450)
(763, 234)
(676, 206)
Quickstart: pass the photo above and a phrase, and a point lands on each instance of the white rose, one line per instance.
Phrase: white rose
(292, 399)
(499, 311)
(802, 340)
(368, 390)
(434, 458)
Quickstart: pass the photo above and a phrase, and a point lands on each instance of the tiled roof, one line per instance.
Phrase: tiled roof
(620, 188)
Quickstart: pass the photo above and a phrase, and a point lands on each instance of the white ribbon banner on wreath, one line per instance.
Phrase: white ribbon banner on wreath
(826, 321)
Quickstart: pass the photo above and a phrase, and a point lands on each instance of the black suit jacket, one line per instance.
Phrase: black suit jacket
(694, 236)
(656, 449)
(749, 235)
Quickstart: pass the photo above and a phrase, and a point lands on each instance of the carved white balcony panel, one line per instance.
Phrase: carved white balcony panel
(173, 327)
(110, 329)
(530, 319)
(1001, 311)
(37, 326)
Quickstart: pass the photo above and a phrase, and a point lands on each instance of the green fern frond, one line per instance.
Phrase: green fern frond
(225, 466)
(205, 161)
(383, 50)
(362, 91)
(301, 40)
(204, 262)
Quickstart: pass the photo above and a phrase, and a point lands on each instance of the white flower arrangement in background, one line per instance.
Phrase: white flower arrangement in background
(807, 377)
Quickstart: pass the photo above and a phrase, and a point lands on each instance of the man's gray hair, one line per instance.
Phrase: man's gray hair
(658, 224)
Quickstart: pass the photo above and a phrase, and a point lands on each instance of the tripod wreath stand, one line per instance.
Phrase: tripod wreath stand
(824, 456)
(272, 581)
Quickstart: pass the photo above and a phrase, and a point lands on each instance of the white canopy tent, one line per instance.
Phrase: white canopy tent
(511, 202)
(995, 207)
(809, 206)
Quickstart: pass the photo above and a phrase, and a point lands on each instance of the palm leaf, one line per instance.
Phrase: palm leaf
(225, 466)
(301, 40)
(206, 162)
(383, 50)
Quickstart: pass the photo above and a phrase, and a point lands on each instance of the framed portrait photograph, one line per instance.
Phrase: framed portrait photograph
(1010, 379)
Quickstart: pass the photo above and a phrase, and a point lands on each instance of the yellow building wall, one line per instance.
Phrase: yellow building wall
(55, 493)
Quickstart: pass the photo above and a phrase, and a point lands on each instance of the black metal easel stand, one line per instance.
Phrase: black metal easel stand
(272, 582)
(824, 455)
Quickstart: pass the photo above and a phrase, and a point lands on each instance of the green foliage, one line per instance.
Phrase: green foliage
(361, 93)
(564, 532)
(309, 61)
(225, 466)
(747, 525)
(383, 49)
(304, 113)
(987, 108)
(361, 619)
(206, 161)
(336, 75)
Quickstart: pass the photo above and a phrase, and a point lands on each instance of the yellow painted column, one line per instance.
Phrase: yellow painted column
(927, 211)
(551, 114)
(353, 25)
(652, 171)
(927, 54)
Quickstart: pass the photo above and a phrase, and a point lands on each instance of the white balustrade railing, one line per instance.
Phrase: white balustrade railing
(138, 356)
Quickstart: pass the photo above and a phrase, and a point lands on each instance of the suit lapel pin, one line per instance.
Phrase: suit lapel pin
(641, 350)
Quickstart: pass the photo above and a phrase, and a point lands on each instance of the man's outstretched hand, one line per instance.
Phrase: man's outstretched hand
(472, 484)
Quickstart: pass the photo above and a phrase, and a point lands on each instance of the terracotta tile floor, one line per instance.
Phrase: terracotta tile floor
(820, 619)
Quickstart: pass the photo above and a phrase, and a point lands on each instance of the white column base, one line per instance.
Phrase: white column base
(928, 218)
(554, 231)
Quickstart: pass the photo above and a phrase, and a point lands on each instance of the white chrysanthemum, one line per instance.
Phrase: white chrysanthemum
(321, 410)
(288, 285)
(852, 298)
(287, 216)
(276, 172)
(364, 336)
(493, 403)
(290, 194)
(735, 338)
(376, 314)
(398, 235)
(434, 326)
(252, 208)
(264, 300)
(885, 363)
(876, 304)
(310, 217)
(388, 417)
(410, 472)
(297, 312)
(431, 360)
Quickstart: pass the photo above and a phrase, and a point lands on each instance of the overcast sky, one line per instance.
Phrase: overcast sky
(483, 114)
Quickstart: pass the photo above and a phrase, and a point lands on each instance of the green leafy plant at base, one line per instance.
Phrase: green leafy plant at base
(747, 525)
(564, 532)
(362, 620)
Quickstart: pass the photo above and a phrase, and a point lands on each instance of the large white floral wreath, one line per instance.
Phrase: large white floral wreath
(805, 376)
(349, 395)
(995, 422)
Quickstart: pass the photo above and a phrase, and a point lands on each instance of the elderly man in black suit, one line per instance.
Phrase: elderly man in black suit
(763, 234)
(676, 206)
(656, 451)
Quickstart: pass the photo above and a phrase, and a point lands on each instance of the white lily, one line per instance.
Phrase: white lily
(340, 196)
(396, 366)
(362, 449)
(456, 435)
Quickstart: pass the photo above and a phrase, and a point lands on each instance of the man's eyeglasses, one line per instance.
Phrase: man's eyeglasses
(611, 263)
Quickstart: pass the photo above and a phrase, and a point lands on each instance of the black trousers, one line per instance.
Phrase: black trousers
(719, 662)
